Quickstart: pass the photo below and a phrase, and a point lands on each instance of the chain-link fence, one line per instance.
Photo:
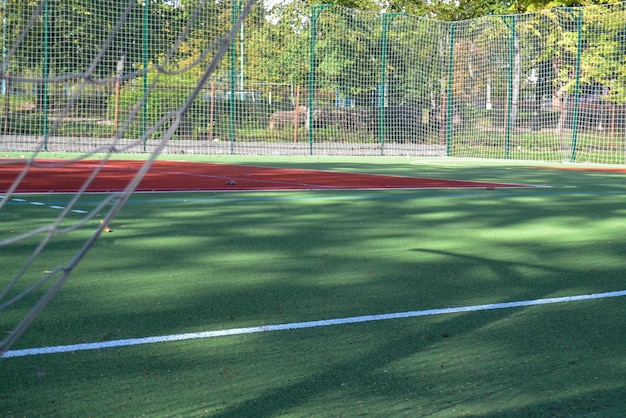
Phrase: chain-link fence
(321, 80)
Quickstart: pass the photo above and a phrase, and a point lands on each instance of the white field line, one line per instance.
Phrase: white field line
(35, 203)
(301, 325)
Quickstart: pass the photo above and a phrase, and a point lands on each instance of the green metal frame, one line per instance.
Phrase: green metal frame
(449, 106)
(236, 9)
(45, 73)
(146, 39)
(579, 22)
(316, 11)
(509, 121)
(388, 18)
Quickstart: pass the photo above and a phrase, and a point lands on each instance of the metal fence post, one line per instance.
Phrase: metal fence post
(579, 21)
(387, 20)
(46, 72)
(144, 110)
(236, 8)
(509, 101)
(315, 14)
(450, 89)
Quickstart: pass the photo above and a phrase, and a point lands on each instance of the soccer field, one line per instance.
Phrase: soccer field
(437, 301)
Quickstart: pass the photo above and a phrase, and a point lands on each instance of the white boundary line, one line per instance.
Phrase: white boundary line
(301, 325)
(35, 203)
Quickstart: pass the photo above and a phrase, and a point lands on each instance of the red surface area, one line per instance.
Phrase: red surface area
(56, 176)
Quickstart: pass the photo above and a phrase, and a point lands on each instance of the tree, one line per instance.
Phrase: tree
(348, 47)
(276, 45)
(73, 33)
(470, 9)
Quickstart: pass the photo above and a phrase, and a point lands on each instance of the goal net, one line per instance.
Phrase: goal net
(125, 72)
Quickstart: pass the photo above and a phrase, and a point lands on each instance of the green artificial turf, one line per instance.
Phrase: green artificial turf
(192, 262)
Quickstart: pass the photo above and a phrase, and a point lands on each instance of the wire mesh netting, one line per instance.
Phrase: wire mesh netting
(317, 80)
(86, 77)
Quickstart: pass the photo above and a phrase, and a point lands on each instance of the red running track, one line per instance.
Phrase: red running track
(67, 177)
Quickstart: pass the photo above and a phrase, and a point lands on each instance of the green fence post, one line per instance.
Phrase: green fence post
(449, 93)
(144, 110)
(3, 88)
(46, 72)
(315, 14)
(236, 8)
(577, 86)
(509, 102)
(386, 22)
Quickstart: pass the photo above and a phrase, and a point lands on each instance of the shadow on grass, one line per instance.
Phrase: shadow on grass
(223, 261)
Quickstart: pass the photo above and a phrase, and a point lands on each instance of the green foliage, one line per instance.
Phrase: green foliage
(76, 32)
(24, 123)
(274, 47)
(164, 95)
(603, 60)
(348, 51)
